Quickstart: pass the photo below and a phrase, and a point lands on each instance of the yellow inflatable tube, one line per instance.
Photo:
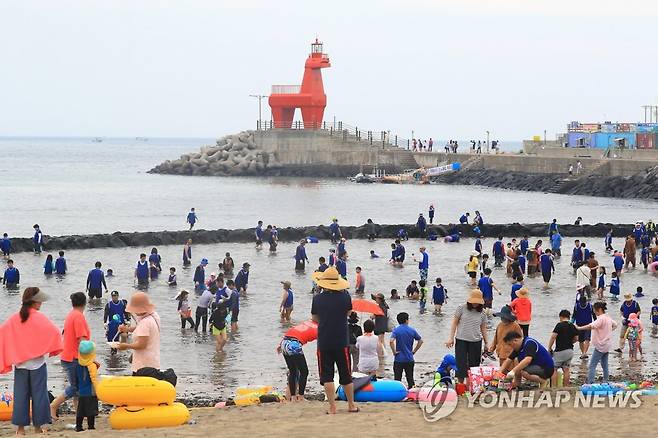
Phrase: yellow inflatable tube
(147, 417)
(135, 391)
(260, 390)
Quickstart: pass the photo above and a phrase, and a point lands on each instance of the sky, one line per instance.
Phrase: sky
(442, 69)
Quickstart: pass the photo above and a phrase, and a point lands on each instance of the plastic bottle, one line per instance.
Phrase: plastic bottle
(560, 378)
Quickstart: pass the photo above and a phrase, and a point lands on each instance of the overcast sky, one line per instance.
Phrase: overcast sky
(445, 69)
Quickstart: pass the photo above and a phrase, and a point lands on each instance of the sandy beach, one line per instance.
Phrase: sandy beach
(308, 419)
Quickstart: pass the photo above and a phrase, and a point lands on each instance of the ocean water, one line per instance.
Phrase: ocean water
(250, 356)
(77, 186)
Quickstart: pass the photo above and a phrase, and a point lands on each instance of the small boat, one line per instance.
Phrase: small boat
(420, 175)
(363, 178)
(97, 140)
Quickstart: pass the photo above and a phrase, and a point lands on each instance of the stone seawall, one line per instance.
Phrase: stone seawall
(643, 185)
(151, 238)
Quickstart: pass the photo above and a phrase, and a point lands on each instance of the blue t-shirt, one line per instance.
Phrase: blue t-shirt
(556, 241)
(438, 294)
(614, 286)
(191, 218)
(60, 266)
(618, 262)
(96, 279)
(11, 275)
(323, 267)
(576, 255)
(404, 342)
(478, 245)
(583, 315)
(485, 286)
(334, 228)
(142, 270)
(463, 219)
(515, 287)
(626, 310)
(5, 244)
(341, 267)
(546, 263)
(300, 254)
(608, 239)
(259, 232)
(498, 247)
(532, 348)
(601, 283)
(522, 262)
(242, 279)
(654, 315)
(524, 246)
(424, 262)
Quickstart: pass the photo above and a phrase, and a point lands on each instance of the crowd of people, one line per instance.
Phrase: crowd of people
(343, 344)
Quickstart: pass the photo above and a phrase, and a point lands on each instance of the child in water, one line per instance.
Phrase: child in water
(49, 266)
(614, 286)
(218, 323)
(439, 296)
(600, 288)
(360, 281)
(287, 301)
(638, 292)
(394, 294)
(184, 309)
(109, 273)
(171, 281)
(422, 298)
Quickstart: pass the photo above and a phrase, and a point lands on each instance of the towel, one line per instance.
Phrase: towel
(21, 341)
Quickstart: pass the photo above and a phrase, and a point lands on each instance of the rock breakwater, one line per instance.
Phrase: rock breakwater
(151, 238)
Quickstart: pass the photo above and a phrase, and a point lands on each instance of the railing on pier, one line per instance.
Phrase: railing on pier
(286, 89)
(348, 132)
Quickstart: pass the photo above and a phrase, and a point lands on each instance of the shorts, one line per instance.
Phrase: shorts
(216, 331)
(341, 358)
(584, 335)
(234, 315)
(71, 389)
(541, 372)
(488, 304)
(95, 293)
(472, 274)
(291, 347)
(562, 359)
(546, 275)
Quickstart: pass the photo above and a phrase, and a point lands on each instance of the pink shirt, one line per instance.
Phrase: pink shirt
(148, 326)
(602, 333)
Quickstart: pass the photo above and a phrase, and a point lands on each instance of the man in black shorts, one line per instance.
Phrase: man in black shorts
(330, 309)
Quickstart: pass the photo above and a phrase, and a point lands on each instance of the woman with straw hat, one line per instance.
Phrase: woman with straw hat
(330, 309)
(468, 330)
(146, 334)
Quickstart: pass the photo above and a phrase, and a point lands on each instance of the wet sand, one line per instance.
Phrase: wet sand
(391, 420)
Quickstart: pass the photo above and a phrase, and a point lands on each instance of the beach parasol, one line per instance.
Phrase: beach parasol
(366, 306)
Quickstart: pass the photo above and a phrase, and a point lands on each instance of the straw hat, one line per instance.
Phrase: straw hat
(140, 303)
(628, 297)
(523, 292)
(475, 297)
(86, 353)
(330, 280)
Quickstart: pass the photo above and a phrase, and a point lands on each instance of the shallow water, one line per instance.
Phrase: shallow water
(250, 357)
(76, 186)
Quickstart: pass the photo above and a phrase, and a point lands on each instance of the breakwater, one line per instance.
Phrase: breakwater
(154, 238)
(642, 185)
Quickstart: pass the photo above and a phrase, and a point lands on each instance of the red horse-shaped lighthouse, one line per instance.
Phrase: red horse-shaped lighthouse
(309, 97)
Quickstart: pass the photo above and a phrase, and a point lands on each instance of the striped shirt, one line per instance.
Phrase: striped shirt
(469, 325)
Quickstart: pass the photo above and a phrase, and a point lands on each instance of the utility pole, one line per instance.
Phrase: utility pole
(487, 142)
(544, 137)
(260, 98)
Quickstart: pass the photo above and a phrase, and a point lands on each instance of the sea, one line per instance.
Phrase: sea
(80, 186)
